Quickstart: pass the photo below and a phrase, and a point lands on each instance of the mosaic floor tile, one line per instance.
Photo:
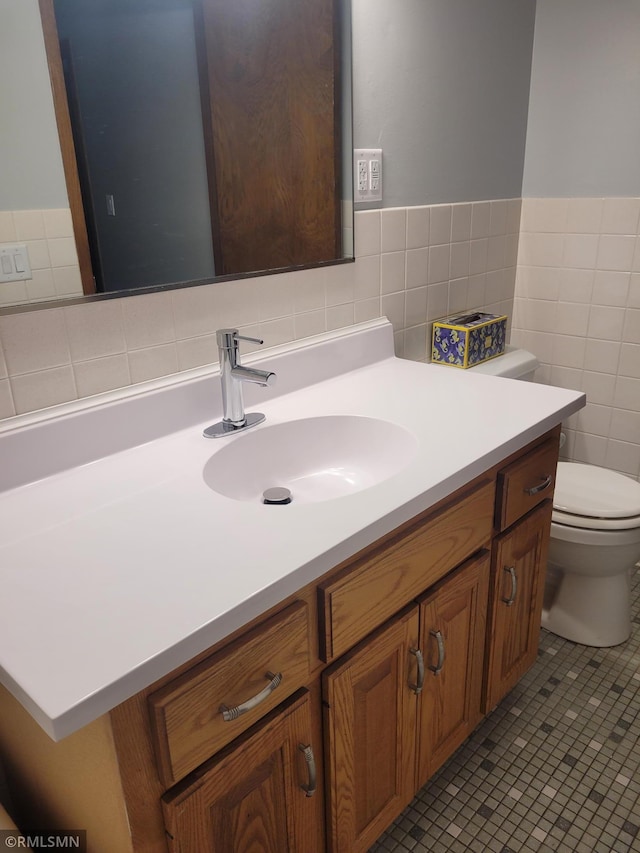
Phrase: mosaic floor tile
(555, 767)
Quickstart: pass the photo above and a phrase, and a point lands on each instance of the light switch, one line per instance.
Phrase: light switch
(374, 172)
(14, 263)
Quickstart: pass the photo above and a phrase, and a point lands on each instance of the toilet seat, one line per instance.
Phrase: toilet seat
(594, 498)
(566, 519)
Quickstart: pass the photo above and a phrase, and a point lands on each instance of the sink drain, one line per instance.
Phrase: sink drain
(276, 495)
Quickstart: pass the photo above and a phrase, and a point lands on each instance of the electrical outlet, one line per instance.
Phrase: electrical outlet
(367, 164)
(363, 176)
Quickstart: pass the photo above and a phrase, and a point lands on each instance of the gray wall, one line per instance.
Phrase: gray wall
(31, 173)
(442, 86)
(584, 119)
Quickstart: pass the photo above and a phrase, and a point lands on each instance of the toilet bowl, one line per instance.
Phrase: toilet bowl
(594, 545)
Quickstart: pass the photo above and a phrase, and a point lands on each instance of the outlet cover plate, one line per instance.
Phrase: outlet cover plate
(367, 183)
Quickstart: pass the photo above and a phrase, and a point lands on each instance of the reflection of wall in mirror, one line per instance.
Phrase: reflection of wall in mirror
(136, 103)
(30, 159)
(34, 206)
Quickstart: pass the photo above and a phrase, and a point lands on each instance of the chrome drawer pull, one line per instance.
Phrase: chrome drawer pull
(230, 714)
(547, 479)
(514, 585)
(440, 641)
(307, 751)
(417, 688)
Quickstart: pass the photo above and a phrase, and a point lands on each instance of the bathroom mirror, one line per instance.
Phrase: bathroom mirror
(202, 139)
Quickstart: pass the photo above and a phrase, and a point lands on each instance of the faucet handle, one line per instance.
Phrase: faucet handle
(250, 340)
(228, 338)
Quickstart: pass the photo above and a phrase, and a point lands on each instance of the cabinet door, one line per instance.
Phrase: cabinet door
(252, 796)
(452, 638)
(370, 719)
(517, 588)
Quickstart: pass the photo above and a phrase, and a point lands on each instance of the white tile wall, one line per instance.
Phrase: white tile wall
(48, 236)
(414, 265)
(577, 307)
(448, 258)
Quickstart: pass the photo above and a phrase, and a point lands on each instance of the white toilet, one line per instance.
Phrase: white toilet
(595, 540)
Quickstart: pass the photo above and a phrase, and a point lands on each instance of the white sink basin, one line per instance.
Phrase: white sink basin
(317, 459)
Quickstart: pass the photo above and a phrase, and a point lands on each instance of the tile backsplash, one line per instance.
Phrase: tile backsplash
(577, 307)
(414, 265)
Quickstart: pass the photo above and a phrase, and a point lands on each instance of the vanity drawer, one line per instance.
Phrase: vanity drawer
(188, 714)
(526, 483)
(371, 590)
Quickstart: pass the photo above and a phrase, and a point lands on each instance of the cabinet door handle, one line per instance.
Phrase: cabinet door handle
(417, 687)
(307, 751)
(547, 479)
(230, 714)
(440, 641)
(514, 585)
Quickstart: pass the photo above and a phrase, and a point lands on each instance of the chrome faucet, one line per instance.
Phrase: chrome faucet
(232, 375)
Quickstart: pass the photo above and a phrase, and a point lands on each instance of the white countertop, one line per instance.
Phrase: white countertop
(116, 571)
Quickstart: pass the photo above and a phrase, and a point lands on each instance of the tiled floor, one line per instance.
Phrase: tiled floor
(556, 766)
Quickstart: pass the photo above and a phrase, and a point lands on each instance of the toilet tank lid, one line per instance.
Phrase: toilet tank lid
(594, 492)
(513, 364)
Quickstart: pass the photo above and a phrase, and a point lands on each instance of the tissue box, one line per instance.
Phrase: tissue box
(468, 339)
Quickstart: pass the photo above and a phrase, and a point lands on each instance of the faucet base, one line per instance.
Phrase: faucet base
(223, 428)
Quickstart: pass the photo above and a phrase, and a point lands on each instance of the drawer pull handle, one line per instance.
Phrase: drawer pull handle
(230, 714)
(307, 751)
(514, 586)
(546, 482)
(417, 687)
(440, 641)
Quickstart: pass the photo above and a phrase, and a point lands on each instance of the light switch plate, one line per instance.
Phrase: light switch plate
(367, 169)
(14, 263)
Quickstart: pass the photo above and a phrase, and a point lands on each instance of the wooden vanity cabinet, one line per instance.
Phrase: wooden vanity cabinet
(201, 711)
(526, 481)
(368, 591)
(370, 731)
(523, 513)
(399, 704)
(517, 590)
(477, 629)
(452, 637)
(375, 753)
(259, 795)
(460, 586)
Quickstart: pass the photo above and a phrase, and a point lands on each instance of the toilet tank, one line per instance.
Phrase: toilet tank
(514, 363)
